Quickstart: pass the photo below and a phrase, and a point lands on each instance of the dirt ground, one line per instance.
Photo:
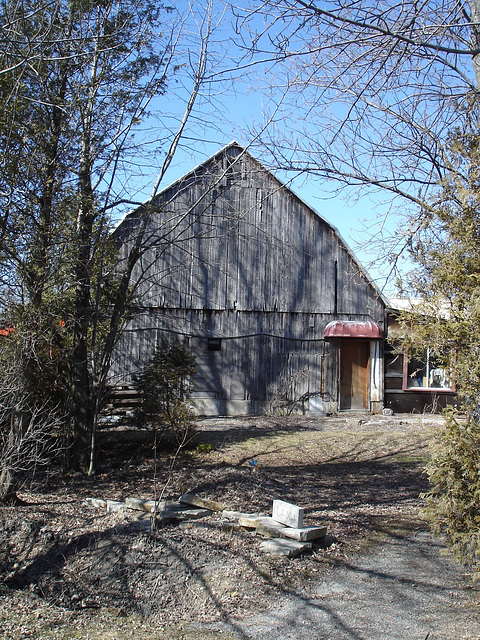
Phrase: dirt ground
(70, 570)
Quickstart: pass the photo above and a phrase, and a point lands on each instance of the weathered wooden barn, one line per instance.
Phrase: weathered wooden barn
(275, 306)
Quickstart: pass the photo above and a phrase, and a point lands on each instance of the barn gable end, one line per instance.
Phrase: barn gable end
(249, 276)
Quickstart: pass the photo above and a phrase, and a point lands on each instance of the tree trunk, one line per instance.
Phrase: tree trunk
(8, 486)
(82, 410)
(78, 456)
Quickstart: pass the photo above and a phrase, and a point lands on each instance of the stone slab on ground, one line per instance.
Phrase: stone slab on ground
(97, 502)
(306, 533)
(144, 505)
(183, 514)
(283, 547)
(273, 529)
(197, 501)
(250, 521)
(115, 506)
(236, 515)
(167, 509)
(288, 514)
(150, 506)
(269, 529)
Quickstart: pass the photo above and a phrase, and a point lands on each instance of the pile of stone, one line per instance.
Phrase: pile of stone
(284, 530)
(151, 513)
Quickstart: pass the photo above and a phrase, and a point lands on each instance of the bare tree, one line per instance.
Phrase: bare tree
(30, 424)
(27, 441)
(372, 90)
(127, 286)
(79, 80)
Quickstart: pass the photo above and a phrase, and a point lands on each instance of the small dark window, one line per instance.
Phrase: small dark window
(214, 344)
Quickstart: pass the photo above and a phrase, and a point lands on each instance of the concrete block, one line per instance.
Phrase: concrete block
(197, 501)
(115, 506)
(315, 405)
(287, 513)
(272, 529)
(282, 547)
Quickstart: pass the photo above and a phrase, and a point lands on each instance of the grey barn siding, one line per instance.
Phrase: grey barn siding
(233, 254)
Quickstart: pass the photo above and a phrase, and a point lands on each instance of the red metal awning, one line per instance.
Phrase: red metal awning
(353, 329)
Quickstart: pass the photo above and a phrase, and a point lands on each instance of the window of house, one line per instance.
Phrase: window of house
(425, 372)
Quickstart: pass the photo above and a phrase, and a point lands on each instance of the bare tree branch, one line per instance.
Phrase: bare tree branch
(373, 91)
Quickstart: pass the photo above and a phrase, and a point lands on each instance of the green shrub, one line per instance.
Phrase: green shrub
(454, 500)
(204, 447)
(163, 386)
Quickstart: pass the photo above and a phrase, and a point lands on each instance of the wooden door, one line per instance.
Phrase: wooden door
(354, 374)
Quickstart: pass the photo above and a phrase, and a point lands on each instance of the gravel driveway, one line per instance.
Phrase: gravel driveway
(402, 589)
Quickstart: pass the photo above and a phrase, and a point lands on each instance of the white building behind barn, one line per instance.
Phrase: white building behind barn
(264, 291)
